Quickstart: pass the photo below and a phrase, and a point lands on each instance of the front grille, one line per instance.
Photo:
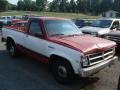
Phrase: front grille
(114, 38)
(99, 57)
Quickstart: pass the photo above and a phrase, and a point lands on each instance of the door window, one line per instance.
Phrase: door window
(115, 25)
(35, 29)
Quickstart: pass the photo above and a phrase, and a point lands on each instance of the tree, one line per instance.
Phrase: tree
(20, 5)
(105, 5)
(116, 5)
(4, 5)
(54, 5)
(12, 7)
(72, 6)
(27, 5)
(80, 6)
(34, 7)
(95, 6)
(63, 6)
(83, 6)
(41, 4)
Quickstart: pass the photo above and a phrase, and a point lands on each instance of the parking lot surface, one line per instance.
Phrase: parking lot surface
(27, 74)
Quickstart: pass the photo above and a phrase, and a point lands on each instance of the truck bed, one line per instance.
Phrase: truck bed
(16, 28)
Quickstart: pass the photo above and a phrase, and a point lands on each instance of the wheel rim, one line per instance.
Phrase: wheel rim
(62, 72)
(11, 50)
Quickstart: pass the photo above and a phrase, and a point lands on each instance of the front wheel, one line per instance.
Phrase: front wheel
(62, 71)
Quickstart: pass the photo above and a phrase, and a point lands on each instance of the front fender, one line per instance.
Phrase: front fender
(10, 36)
(74, 63)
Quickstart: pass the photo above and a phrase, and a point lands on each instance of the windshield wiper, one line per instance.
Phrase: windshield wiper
(57, 34)
(74, 35)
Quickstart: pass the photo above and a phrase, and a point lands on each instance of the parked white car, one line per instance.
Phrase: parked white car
(101, 27)
(5, 19)
(17, 17)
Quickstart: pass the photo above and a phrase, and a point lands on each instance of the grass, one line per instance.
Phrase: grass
(53, 14)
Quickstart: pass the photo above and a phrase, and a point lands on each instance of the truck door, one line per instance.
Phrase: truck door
(34, 40)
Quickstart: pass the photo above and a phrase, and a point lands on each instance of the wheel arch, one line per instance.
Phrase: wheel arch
(54, 57)
(9, 39)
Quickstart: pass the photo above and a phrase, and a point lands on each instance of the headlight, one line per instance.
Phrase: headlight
(113, 51)
(94, 33)
(84, 61)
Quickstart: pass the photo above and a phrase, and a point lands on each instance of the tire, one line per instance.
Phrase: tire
(12, 49)
(62, 71)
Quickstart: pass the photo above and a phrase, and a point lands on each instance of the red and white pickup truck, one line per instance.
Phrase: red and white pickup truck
(59, 43)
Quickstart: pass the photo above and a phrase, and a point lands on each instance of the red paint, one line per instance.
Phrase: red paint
(16, 28)
(16, 20)
(32, 54)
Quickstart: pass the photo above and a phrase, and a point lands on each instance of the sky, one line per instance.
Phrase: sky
(15, 1)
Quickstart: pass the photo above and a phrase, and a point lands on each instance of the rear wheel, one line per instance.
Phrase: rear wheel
(62, 71)
(12, 48)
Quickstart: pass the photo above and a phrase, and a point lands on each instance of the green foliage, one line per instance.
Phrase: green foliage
(116, 5)
(12, 7)
(27, 5)
(93, 7)
(72, 6)
(4, 5)
(20, 5)
(80, 5)
(54, 6)
(63, 6)
(41, 4)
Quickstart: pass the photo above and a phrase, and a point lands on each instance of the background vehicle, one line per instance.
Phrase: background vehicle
(1, 25)
(101, 27)
(16, 22)
(83, 22)
(17, 17)
(21, 23)
(6, 20)
(60, 44)
(114, 36)
(27, 16)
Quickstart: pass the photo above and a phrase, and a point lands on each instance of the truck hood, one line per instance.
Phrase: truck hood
(114, 33)
(85, 43)
(98, 30)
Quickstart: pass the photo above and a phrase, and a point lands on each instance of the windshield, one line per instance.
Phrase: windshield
(8, 17)
(61, 27)
(3, 18)
(102, 23)
(79, 22)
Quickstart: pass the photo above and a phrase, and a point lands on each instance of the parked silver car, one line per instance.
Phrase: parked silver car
(101, 27)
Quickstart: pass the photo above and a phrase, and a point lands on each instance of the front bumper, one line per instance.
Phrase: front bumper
(85, 72)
